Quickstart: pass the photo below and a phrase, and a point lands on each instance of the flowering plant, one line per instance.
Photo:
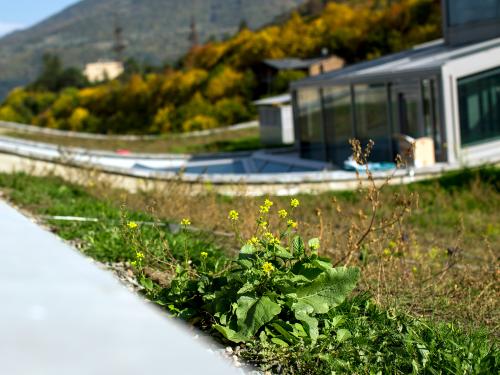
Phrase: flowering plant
(277, 287)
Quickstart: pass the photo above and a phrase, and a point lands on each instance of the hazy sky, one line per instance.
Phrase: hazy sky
(18, 14)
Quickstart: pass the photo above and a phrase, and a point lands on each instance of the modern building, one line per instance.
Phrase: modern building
(276, 120)
(448, 90)
(103, 70)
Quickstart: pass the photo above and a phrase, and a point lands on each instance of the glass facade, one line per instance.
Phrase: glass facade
(338, 120)
(479, 107)
(431, 115)
(311, 135)
(331, 115)
(371, 106)
(462, 12)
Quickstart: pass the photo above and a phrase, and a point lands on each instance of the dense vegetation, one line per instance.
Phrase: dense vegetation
(217, 82)
(279, 298)
(154, 31)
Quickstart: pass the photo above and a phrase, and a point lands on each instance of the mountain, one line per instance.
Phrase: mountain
(154, 31)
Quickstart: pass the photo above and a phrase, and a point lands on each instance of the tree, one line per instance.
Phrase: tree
(54, 78)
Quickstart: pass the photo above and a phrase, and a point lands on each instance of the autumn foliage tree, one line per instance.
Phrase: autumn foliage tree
(215, 83)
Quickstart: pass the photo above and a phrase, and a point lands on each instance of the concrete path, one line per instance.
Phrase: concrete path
(60, 315)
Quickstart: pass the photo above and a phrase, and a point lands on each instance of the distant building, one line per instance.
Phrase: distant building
(269, 68)
(447, 90)
(103, 70)
(276, 120)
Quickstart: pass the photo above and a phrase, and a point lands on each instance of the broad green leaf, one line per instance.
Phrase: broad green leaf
(343, 335)
(282, 252)
(329, 289)
(247, 249)
(322, 264)
(230, 334)
(302, 313)
(253, 313)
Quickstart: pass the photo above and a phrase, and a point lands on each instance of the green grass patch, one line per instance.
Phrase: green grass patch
(285, 305)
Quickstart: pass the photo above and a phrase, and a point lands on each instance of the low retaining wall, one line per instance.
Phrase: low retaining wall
(31, 129)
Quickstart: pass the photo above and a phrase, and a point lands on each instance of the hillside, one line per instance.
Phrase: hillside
(155, 31)
(218, 81)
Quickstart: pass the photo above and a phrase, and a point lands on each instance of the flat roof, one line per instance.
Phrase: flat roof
(274, 100)
(422, 58)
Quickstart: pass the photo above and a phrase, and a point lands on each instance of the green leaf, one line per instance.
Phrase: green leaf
(146, 283)
(281, 328)
(247, 287)
(297, 246)
(302, 313)
(230, 334)
(253, 313)
(279, 342)
(282, 253)
(343, 335)
(247, 249)
(337, 320)
(245, 263)
(329, 289)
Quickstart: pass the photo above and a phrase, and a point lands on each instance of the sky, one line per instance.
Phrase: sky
(19, 14)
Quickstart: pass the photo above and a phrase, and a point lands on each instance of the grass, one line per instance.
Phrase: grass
(432, 277)
(237, 140)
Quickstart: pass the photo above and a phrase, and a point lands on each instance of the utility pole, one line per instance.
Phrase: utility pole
(119, 44)
(193, 35)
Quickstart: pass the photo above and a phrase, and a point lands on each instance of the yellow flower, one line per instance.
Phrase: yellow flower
(263, 223)
(139, 255)
(185, 222)
(253, 241)
(294, 203)
(268, 203)
(387, 252)
(264, 209)
(204, 254)
(132, 224)
(133, 263)
(292, 224)
(282, 213)
(233, 215)
(267, 267)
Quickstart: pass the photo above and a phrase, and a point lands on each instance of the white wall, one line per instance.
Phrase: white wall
(287, 130)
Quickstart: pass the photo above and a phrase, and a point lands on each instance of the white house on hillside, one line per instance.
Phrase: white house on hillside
(103, 70)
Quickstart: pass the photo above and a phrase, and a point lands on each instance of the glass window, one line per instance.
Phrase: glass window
(338, 122)
(310, 124)
(372, 122)
(461, 12)
(479, 107)
(432, 127)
